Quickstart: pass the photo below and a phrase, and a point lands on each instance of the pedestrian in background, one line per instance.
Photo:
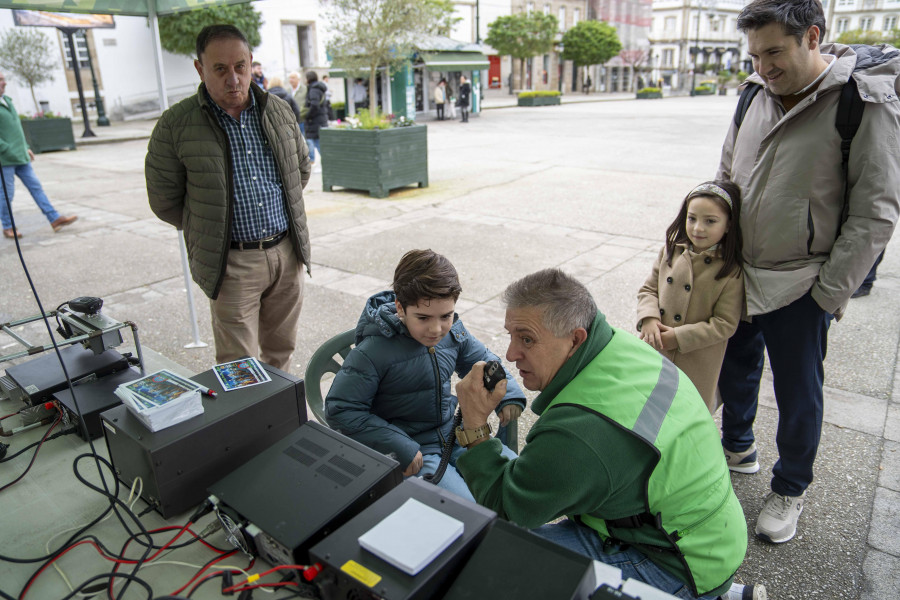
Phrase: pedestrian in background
(692, 302)
(276, 87)
(440, 98)
(227, 166)
(317, 114)
(465, 90)
(359, 94)
(450, 105)
(16, 158)
(258, 77)
(298, 90)
(809, 235)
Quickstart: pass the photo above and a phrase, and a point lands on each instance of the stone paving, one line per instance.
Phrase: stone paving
(587, 186)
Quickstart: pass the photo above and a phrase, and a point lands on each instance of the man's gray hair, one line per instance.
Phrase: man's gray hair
(564, 301)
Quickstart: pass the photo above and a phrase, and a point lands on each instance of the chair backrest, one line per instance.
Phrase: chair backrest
(323, 362)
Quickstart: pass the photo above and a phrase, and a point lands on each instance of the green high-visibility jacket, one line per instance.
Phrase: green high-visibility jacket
(688, 495)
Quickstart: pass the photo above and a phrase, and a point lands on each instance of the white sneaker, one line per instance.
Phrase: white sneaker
(742, 462)
(777, 521)
(745, 592)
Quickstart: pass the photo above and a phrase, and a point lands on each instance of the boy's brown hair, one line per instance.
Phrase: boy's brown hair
(425, 275)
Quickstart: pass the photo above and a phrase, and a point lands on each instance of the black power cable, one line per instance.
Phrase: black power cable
(97, 458)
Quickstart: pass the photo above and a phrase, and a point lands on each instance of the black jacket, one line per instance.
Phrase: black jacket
(318, 109)
(465, 91)
(287, 97)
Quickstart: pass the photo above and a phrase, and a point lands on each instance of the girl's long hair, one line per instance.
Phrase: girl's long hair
(730, 246)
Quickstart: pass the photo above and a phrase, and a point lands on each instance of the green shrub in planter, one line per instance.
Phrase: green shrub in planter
(705, 89)
(649, 92)
(340, 110)
(538, 98)
(377, 160)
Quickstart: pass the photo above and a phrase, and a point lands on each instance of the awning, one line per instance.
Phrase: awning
(455, 61)
(339, 72)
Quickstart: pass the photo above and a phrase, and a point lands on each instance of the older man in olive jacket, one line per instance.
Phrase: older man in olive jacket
(228, 167)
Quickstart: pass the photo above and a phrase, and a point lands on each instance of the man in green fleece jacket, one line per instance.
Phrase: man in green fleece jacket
(624, 447)
(16, 157)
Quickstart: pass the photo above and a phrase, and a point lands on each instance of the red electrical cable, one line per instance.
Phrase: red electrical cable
(204, 568)
(149, 558)
(256, 577)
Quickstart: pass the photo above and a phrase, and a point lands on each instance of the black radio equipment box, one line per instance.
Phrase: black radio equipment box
(512, 562)
(289, 497)
(178, 463)
(349, 570)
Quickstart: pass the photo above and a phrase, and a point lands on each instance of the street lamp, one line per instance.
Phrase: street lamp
(701, 4)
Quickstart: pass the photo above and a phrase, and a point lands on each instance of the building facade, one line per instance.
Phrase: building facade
(692, 40)
(865, 15)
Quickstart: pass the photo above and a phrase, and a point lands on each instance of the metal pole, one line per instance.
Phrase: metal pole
(102, 121)
(477, 21)
(197, 343)
(163, 105)
(77, 69)
(697, 45)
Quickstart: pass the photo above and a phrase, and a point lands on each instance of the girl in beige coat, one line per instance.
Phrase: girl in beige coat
(692, 301)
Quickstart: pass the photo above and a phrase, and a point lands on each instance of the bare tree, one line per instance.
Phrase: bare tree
(633, 58)
(369, 34)
(25, 54)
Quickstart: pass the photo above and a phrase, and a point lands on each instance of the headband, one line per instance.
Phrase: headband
(713, 190)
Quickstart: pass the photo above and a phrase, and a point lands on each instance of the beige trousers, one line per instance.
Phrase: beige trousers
(258, 307)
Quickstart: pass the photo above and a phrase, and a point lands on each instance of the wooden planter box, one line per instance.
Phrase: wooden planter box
(648, 95)
(44, 135)
(377, 160)
(539, 100)
(704, 91)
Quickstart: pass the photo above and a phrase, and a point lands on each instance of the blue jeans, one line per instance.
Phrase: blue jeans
(313, 146)
(796, 339)
(452, 481)
(29, 178)
(633, 563)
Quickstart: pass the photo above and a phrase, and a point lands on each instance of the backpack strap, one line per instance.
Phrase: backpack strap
(849, 116)
(747, 95)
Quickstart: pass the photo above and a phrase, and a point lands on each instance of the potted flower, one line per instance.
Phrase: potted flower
(374, 152)
(539, 98)
(649, 92)
(47, 131)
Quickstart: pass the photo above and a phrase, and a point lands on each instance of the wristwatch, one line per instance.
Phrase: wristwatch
(468, 436)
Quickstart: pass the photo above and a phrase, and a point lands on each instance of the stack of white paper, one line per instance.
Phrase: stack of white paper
(161, 399)
(412, 536)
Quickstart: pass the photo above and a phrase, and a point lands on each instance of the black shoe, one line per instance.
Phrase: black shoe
(862, 291)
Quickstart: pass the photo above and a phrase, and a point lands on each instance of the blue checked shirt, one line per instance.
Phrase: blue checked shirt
(258, 196)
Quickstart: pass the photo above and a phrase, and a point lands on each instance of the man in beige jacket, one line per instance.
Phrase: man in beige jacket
(805, 251)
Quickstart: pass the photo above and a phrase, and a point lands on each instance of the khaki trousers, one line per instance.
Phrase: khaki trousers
(258, 307)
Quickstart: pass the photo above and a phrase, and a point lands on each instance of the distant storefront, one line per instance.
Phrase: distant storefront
(408, 90)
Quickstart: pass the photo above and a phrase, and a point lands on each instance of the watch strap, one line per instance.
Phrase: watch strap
(467, 436)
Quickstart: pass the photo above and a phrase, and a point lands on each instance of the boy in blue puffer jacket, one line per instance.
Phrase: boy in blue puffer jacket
(393, 390)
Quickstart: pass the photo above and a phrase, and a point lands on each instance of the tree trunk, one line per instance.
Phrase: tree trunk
(373, 90)
(37, 107)
(522, 75)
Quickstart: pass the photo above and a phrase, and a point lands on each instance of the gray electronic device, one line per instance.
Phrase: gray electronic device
(298, 491)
